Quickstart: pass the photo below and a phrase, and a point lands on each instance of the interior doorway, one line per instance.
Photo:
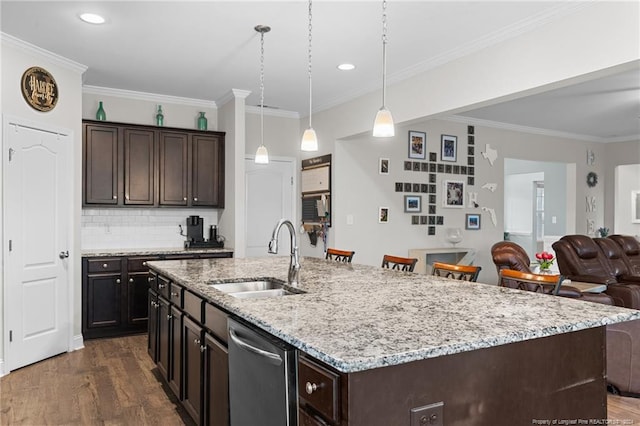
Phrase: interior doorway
(539, 206)
(37, 190)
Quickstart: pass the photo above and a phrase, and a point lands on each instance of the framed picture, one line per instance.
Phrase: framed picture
(635, 206)
(448, 148)
(383, 166)
(473, 221)
(453, 191)
(417, 145)
(412, 203)
(383, 214)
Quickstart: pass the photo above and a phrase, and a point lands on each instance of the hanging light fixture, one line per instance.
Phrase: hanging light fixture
(309, 139)
(262, 155)
(383, 124)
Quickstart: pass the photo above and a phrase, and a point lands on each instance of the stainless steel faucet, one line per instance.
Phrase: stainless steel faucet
(294, 264)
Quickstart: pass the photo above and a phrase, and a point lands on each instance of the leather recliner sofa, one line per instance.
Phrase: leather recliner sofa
(508, 255)
(580, 258)
(631, 248)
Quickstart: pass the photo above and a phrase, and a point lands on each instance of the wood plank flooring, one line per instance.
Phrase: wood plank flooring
(114, 382)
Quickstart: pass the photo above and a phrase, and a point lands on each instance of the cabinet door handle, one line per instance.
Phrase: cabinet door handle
(105, 265)
(130, 280)
(184, 199)
(127, 197)
(169, 317)
(115, 197)
(195, 198)
(150, 279)
(174, 294)
(117, 280)
(161, 286)
(144, 263)
(196, 342)
(203, 348)
(310, 387)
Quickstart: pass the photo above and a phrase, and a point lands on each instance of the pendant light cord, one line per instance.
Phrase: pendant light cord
(310, 81)
(384, 52)
(262, 88)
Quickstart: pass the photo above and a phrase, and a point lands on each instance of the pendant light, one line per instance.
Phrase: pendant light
(309, 139)
(383, 124)
(262, 155)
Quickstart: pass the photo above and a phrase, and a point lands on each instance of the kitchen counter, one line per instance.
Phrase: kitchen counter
(150, 251)
(356, 317)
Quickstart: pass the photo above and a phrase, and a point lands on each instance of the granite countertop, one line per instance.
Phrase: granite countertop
(357, 317)
(151, 251)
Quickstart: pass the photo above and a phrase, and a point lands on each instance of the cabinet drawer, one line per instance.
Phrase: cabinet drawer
(98, 265)
(193, 306)
(319, 388)
(216, 321)
(306, 418)
(175, 294)
(139, 264)
(163, 286)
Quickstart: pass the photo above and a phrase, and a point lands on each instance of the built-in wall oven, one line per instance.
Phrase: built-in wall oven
(262, 378)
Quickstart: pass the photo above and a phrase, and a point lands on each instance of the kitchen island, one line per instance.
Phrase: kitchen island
(400, 341)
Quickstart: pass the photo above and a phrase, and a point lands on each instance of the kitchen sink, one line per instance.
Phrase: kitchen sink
(255, 289)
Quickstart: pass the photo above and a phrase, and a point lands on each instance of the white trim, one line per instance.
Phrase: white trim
(77, 343)
(143, 96)
(2, 372)
(535, 130)
(272, 112)
(35, 50)
(233, 94)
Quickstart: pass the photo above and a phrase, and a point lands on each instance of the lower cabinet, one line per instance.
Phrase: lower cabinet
(188, 344)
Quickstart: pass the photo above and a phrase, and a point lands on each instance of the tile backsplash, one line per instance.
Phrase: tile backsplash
(139, 228)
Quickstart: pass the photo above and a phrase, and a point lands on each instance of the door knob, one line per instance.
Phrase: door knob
(64, 254)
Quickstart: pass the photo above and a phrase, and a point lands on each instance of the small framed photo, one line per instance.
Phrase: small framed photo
(431, 230)
(412, 203)
(407, 187)
(473, 222)
(417, 145)
(470, 130)
(448, 148)
(383, 166)
(407, 165)
(383, 214)
(415, 220)
(433, 157)
(399, 186)
(453, 191)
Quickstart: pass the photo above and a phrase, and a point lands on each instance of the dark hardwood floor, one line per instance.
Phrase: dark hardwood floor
(114, 382)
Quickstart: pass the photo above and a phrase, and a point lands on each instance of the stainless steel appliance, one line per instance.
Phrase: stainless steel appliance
(262, 378)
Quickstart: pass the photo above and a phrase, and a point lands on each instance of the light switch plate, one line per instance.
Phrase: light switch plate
(428, 415)
(349, 219)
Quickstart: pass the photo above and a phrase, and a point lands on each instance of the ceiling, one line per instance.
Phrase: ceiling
(203, 49)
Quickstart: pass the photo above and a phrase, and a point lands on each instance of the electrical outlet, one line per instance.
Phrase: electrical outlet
(428, 415)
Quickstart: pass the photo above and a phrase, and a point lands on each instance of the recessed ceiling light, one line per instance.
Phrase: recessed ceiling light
(346, 67)
(92, 18)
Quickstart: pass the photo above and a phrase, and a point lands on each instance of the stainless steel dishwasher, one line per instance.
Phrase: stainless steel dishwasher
(262, 378)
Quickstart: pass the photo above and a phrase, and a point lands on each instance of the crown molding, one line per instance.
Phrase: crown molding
(536, 130)
(32, 49)
(273, 112)
(143, 96)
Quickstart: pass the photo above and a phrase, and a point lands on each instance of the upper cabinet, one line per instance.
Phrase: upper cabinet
(132, 165)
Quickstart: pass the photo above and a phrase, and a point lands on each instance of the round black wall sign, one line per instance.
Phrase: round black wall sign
(39, 89)
(592, 179)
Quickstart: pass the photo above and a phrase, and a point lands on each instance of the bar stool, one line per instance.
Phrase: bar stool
(399, 263)
(339, 255)
(457, 272)
(548, 284)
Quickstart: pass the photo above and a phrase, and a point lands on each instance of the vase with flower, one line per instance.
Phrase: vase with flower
(544, 261)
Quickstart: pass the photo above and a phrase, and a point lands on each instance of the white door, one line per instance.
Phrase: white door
(37, 189)
(269, 191)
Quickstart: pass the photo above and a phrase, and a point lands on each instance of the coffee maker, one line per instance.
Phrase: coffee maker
(195, 237)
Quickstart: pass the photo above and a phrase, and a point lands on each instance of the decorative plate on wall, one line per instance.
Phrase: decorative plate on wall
(39, 89)
(592, 179)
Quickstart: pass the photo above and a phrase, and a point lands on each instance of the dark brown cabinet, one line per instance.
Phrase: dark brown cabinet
(197, 348)
(115, 293)
(135, 165)
(100, 164)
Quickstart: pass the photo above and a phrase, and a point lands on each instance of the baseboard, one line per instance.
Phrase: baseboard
(78, 342)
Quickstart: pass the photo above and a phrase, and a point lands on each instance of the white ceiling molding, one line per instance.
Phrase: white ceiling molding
(38, 51)
(534, 130)
(142, 96)
(233, 94)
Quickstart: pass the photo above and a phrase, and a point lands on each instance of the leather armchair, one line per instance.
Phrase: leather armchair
(508, 255)
(631, 248)
(581, 259)
(623, 357)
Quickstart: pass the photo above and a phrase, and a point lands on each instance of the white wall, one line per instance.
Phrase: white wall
(17, 57)
(627, 179)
